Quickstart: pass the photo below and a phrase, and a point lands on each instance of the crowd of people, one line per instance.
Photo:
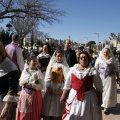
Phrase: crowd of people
(64, 85)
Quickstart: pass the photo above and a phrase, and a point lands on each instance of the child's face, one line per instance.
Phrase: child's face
(59, 57)
(33, 63)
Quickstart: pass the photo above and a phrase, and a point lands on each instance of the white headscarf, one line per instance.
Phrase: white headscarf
(65, 66)
(110, 54)
(106, 47)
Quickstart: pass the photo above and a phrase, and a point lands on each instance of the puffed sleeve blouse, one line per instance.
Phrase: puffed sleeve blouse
(31, 76)
(90, 71)
(9, 79)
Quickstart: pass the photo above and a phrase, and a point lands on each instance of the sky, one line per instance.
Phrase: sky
(84, 18)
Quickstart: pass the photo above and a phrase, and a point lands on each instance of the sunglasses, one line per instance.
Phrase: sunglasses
(83, 58)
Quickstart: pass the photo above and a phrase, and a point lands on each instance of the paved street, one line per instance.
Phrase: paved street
(114, 112)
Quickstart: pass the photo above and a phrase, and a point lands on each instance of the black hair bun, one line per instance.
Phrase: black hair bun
(34, 53)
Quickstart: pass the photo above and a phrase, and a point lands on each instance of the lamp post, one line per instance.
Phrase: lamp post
(87, 39)
(32, 37)
(100, 46)
(9, 26)
(81, 41)
(98, 39)
(69, 37)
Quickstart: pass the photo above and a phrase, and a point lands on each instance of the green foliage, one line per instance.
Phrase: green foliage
(113, 36)
(94, 46)
(38, 42)
(27, 44)
(91, 44)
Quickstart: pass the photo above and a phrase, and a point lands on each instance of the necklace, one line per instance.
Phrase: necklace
(82, 68)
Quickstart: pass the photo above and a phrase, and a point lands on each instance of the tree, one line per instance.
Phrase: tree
(25, 14)
(24, 26)
(41, 35)
(42, 10)
(32, 39)
(90, 43)
(113, 36)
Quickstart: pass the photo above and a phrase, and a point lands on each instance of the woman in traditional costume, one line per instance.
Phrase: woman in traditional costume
(84, 85)
(54, 80)
(9, 79)
(44, 58)
(109, 73)
(30, 100)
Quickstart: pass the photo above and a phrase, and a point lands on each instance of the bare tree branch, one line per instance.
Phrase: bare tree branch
(9, 4)
(43, 10)
(24, 26)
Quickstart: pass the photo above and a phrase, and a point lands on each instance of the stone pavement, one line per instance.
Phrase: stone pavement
(114, 112)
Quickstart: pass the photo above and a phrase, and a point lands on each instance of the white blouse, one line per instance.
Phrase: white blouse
(104, 63)
(96, 78)
(30, 76)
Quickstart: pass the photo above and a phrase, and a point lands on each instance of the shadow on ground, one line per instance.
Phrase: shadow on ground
(115, 110)
(118, 91)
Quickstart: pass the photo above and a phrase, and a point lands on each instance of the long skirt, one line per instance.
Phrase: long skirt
(35, 114)
(82, 110)
(109, 92)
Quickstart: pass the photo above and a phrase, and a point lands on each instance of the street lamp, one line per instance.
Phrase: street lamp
(69, 37)
(87, 39)
(98, 39)
(10, 33)
(9, 26)
(81, 41)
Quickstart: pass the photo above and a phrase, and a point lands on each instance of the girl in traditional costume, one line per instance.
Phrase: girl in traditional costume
(109, 73)
(55, 77)
(9, 79)
(30, 101)
(83, 83)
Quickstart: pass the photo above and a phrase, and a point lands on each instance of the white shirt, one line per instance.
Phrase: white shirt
(20, 60)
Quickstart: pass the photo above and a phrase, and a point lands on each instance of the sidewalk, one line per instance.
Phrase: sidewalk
(114, 112)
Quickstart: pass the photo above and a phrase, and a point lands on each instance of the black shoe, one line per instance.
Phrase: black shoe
(106, 111)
